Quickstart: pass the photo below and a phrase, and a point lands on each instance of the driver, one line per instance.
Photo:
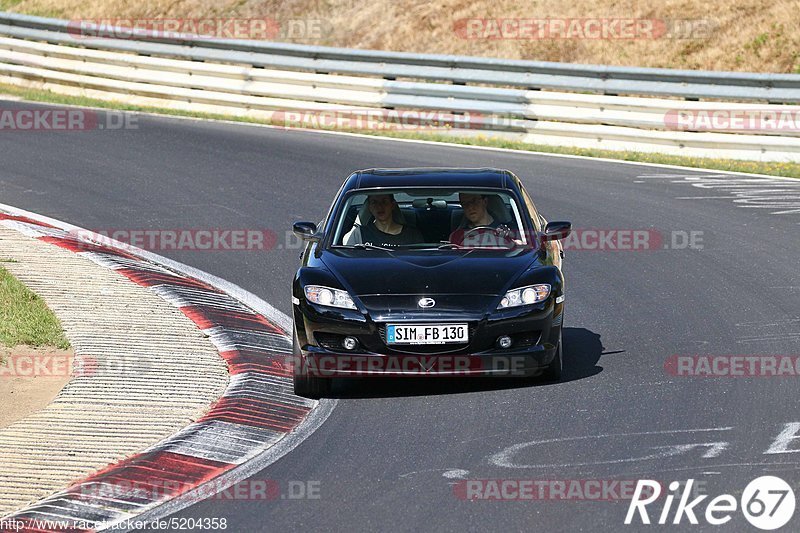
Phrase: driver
(476, 211)
(476, 215)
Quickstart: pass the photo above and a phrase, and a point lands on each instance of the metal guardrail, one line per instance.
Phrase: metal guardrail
(530, 74)
(261, 78)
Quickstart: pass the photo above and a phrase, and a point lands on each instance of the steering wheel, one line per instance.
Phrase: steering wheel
(476, 228)
(503, 233)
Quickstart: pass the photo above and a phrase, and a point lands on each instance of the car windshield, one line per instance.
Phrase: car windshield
(429, 219)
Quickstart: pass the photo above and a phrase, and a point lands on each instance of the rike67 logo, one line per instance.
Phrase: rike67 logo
(767, 502)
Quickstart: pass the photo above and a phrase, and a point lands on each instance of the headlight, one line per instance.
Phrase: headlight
(329, 297)
(532, 294)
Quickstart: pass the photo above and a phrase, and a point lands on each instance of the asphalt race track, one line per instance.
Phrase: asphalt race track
(392, 453)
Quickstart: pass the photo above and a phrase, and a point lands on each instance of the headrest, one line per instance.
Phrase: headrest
(497, 208)
(420, 203)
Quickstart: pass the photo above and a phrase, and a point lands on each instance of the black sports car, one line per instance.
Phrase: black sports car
(428, 272)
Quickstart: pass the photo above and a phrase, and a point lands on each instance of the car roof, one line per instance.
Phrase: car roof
(430, 177)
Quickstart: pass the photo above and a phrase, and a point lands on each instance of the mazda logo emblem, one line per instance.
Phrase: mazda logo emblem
(426, 302)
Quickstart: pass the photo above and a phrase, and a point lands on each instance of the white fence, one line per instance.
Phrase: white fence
(521, 100)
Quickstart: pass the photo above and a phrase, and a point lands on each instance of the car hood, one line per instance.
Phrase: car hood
(455, 272)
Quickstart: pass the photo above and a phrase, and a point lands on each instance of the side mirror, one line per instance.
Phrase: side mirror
(555, 231)
(305, 230)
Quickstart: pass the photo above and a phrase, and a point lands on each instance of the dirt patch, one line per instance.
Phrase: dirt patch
(30, 378)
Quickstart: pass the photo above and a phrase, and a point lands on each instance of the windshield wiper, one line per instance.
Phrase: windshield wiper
(450, 246)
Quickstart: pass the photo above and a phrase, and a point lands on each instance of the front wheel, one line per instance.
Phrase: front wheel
(305, 385)
(553, 371)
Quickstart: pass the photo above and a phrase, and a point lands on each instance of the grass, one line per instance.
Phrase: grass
(745, 29)
(8, 4)
(43, 11)
(791, 170)
(24, 317)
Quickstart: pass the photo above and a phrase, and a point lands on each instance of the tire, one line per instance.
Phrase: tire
(553, 372)
(305, 385)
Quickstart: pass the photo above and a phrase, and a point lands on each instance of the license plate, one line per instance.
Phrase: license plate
(427, 334)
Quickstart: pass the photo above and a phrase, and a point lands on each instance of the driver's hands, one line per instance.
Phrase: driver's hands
(484, 237)
(504, 231)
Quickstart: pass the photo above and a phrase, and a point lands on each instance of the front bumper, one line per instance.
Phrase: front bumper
(534, 329)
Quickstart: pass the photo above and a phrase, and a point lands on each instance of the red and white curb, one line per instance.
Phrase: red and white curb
(257, 420)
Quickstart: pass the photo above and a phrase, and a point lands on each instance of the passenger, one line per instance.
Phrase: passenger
(386, 227)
